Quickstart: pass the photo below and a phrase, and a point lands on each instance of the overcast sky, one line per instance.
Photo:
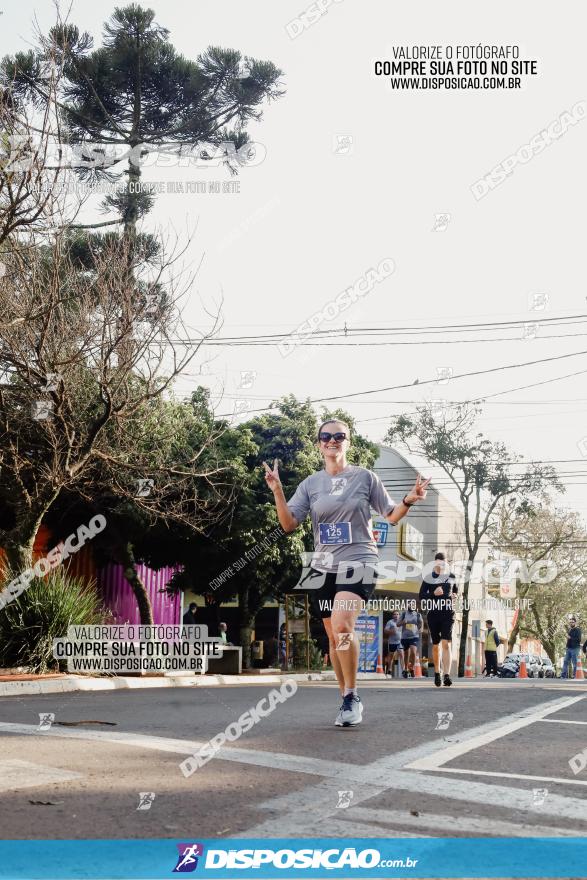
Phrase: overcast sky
(310, 219)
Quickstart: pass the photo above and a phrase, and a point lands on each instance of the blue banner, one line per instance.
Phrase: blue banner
(293, 858)
(367, 632)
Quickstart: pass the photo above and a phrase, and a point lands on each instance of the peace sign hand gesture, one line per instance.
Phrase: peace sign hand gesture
(419, 490)
(272, 476)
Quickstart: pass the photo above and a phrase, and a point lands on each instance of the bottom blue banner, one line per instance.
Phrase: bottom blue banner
(264, 858)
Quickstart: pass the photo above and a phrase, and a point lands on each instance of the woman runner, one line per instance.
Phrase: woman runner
(339, 500)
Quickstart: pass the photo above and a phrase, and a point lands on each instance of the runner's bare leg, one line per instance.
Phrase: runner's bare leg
(413, 657)
(333, 653)
(446, 656)
(343, 623)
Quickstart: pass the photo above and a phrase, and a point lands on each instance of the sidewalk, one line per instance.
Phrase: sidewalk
(26, 685)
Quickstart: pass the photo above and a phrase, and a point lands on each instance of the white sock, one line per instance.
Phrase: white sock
(352, 691)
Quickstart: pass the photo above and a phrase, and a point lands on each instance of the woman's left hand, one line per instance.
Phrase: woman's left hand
(419, 490)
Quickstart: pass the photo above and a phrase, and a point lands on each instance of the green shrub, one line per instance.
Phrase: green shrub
(42, 613)
(299, 653)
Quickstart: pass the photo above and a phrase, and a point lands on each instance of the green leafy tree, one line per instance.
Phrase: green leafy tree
(480, 471)
(552, 545)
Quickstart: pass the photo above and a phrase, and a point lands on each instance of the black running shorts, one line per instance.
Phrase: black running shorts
(440, 626)
(323, 597)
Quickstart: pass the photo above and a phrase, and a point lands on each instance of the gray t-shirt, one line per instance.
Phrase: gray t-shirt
(340, 507)
(411, 624)
(393, 632)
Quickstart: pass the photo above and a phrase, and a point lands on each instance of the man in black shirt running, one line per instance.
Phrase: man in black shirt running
(436, 598)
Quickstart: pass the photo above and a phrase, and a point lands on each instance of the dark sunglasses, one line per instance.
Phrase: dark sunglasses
(325, 436)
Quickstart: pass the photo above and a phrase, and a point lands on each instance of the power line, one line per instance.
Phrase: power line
(535, 384)
(521, 463)
(427, 329)
(347, 344)
(560, 402)
(435, 381)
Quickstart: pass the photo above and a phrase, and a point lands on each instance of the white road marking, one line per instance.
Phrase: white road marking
(277, 760)
(357, 829)
(438, 758)
(473, 825)
(506, 797)
(559, 721)
(497, 773)
(315, 805)
(15, 774)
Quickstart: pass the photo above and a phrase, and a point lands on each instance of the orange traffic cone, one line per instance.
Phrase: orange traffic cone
(418, 669)
(468, 667)
(523, 670)
(379, 668)
(579, 672)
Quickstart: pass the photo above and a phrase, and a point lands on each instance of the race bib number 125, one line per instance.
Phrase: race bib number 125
(335, 533)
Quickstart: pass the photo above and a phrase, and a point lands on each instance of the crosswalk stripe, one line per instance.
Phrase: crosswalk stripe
(498, 774)
(16, 774)
(473, 825)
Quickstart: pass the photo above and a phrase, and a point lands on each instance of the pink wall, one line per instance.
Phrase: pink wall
(120, 599)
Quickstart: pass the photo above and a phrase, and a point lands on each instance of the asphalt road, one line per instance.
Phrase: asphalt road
(498, 767)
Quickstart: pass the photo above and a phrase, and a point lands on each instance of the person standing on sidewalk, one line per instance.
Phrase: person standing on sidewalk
(437, 599)
(189, 617)
(573, 646)
(492, 643)
(342, 578)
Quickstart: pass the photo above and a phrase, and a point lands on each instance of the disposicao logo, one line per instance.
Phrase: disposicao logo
(187, 861)
(349, 857)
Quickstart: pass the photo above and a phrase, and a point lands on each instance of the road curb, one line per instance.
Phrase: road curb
(71, 683)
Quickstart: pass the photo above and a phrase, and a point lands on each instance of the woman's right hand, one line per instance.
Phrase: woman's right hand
(272, 476)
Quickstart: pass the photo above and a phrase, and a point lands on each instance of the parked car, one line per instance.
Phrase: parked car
(510, 667)
(548, 670)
